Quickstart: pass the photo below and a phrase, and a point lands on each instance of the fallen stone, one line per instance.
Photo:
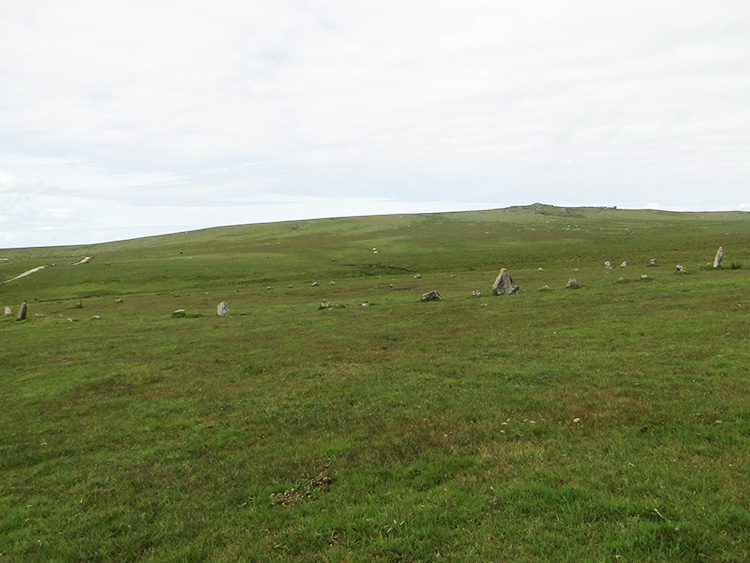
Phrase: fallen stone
(504, 284)
(719, 258)
(652, 262)
(365, 303)
(22, 312)
(95, 318)
(315, 284)
(572, 283)
(85, 260)
(431, 296)
(179, 313)
(222, 309)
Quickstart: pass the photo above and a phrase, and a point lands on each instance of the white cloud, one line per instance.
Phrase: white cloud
(155, 104)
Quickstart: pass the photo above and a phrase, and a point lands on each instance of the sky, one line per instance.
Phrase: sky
(127, 119)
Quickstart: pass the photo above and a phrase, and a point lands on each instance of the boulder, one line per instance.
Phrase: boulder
(22, 311)
(719, 258)
(431, 296)
(572, 283)
(222, 309)
(504, 284)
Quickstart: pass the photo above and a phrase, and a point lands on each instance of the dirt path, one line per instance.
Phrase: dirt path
(25, 273)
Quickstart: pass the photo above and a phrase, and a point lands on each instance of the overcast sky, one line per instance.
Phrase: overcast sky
(125, 119)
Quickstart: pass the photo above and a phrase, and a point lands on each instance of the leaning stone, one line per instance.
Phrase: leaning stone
(222, 309)
(22, 312)
(476, 293)
(179, 313)
(719, 258)
(572, 283)
(8, 311)
(504, 284)
(431, 296)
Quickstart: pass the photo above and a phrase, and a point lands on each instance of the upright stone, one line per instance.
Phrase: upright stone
(222, 309)
(504, 284)
(22, 312)
(719, 258)
(8, 310)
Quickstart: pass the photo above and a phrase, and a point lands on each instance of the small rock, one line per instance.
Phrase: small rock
(719, 258)
(95, 317)
(417, 276)
(680, 268)
(576, 420)
(118, 300)
(476, 293)
(624, 264)
(325, 304)
(390, 285)
(644, 276)
(179, 313)
(541, 269)
(290, 286)
(431, 296)
(365, 303)
(315, 284)
(268, 287)
(222, 309)
(572, 283)
(545, 287)
(652, 262)
(504, 284)
(608, 265)
(331, 282)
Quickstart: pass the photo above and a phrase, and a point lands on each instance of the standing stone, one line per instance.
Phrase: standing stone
(8, 310)
(222, 309)
(22, 312)
(504, 284)
(719, 258)
(572, 283)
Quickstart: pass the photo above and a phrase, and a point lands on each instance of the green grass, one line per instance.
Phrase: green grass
(608, 423)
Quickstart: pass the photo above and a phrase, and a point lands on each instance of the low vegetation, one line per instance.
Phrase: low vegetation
(606, 423)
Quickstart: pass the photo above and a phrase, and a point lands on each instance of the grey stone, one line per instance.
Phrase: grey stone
(315, 284)
(22, 311)
(476, 293)
(79, 304)
(504, 284)
(118, 300)
(572, 283)
(325, 304)
(608, 265)
(179, 313)
(365, 303)
(222, 309)
(719, 258)
(417, 276)
(431, 296)
(680, 268)
(624, 264)
(652, 262)
(8, 311)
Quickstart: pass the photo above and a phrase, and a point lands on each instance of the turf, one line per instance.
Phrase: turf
(609, 422)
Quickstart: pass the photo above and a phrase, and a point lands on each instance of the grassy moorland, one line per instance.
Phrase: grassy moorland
(607, 423)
